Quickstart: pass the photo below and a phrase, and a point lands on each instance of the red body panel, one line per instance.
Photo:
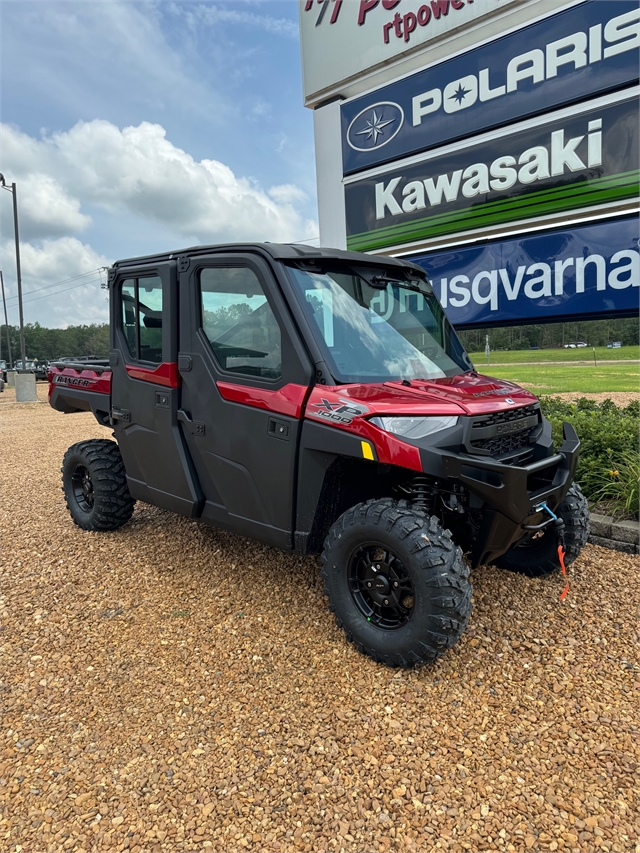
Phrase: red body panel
(459, 395)
(467, 394)
(285, 401)
(87, 379)
(164, 374)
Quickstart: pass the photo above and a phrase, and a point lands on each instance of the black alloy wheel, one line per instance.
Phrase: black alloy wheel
(82, 487)
(95, 487)
(381, 587)
(396, 582)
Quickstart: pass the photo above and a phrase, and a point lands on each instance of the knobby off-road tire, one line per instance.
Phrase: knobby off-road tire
(538, 558)
(429, 588)
(95, 485)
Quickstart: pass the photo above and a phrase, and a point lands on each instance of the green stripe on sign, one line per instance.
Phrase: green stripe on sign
(583, 194)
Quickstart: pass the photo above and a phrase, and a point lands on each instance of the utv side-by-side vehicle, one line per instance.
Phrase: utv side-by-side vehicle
(320, 401)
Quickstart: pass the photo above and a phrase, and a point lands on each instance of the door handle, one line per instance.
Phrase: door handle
(194, 427)
(278, 429)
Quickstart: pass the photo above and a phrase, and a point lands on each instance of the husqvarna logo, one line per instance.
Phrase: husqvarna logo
(375, 126)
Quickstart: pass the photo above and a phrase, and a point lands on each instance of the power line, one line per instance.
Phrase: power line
(73, 287)
(56, 283)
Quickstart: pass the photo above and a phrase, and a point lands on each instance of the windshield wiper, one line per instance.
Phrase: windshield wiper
(380, 282)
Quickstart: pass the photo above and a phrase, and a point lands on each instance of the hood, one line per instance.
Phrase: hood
(465, 394)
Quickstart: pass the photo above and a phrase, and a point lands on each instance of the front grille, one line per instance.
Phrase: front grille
(503, 417)
(487, 430)
(503, 443)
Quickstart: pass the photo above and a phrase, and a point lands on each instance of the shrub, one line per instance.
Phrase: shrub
(609, 442)
(621, 485)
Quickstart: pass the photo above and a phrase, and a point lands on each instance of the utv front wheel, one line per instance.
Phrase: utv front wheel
(95, 485)
(396, 582)
(538, 556)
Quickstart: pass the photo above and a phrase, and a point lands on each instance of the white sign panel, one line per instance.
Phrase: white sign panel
(341, 39)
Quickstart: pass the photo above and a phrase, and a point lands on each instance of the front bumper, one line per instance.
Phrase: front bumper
(511, 494)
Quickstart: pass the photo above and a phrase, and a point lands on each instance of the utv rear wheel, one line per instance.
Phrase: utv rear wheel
(538, 557)
(396, 582)
(95, 485)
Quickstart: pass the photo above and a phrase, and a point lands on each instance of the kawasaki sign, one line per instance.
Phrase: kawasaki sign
(588, 49)
(587, 271)
(582, 159)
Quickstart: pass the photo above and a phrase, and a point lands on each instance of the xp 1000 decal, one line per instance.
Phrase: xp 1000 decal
(340, 411)
(561, 164)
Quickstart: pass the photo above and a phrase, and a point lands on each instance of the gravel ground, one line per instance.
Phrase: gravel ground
(171, 687)
(620, 398)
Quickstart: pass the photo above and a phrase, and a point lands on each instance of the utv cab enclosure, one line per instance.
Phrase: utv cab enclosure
(319, 401)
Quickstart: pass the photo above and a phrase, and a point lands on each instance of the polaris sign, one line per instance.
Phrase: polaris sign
(578, 53)
(588, 156)
(584, 272)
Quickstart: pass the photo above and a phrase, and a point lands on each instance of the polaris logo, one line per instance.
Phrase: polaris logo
(375, 126)
(577, 50)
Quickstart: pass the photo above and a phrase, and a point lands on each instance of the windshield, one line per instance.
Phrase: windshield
(373, 334)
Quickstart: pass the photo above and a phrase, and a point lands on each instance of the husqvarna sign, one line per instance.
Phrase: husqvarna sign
(587, 49)
(588, 272)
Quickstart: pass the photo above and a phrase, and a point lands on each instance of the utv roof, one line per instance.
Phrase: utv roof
(278, 251)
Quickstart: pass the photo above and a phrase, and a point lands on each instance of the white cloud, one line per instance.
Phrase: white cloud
(47, 209)
(135, 175)
(75, 298)
(213, 15)
(139, 171)
(287, 193)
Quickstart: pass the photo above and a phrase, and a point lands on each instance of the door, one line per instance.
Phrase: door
(245, 377)
(145, 388)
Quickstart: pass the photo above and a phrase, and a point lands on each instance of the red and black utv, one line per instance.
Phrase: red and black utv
(320, 401)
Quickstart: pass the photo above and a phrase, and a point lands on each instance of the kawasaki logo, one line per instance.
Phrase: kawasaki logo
(534, 164)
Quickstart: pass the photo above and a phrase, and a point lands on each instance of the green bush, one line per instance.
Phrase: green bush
(620, 485)
(609, 442)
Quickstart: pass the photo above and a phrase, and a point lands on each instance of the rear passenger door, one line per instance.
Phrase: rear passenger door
(245, 378)
(145, 388)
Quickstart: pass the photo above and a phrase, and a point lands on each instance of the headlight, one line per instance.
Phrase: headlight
(414, 427)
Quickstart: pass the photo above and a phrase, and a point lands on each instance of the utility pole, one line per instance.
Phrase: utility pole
(6, 321)
(14, 192)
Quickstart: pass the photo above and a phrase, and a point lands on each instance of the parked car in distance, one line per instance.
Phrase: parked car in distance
(39, 368)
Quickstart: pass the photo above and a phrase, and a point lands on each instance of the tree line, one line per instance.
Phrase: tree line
(595, 333)
(48, 344)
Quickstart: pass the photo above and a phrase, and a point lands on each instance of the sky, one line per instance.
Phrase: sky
(136, 127)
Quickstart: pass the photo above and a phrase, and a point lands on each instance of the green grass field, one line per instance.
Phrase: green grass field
(558, 378)
(565, 355)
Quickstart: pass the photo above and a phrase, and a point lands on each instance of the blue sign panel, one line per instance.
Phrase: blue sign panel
(589, 271)
(588, 49)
